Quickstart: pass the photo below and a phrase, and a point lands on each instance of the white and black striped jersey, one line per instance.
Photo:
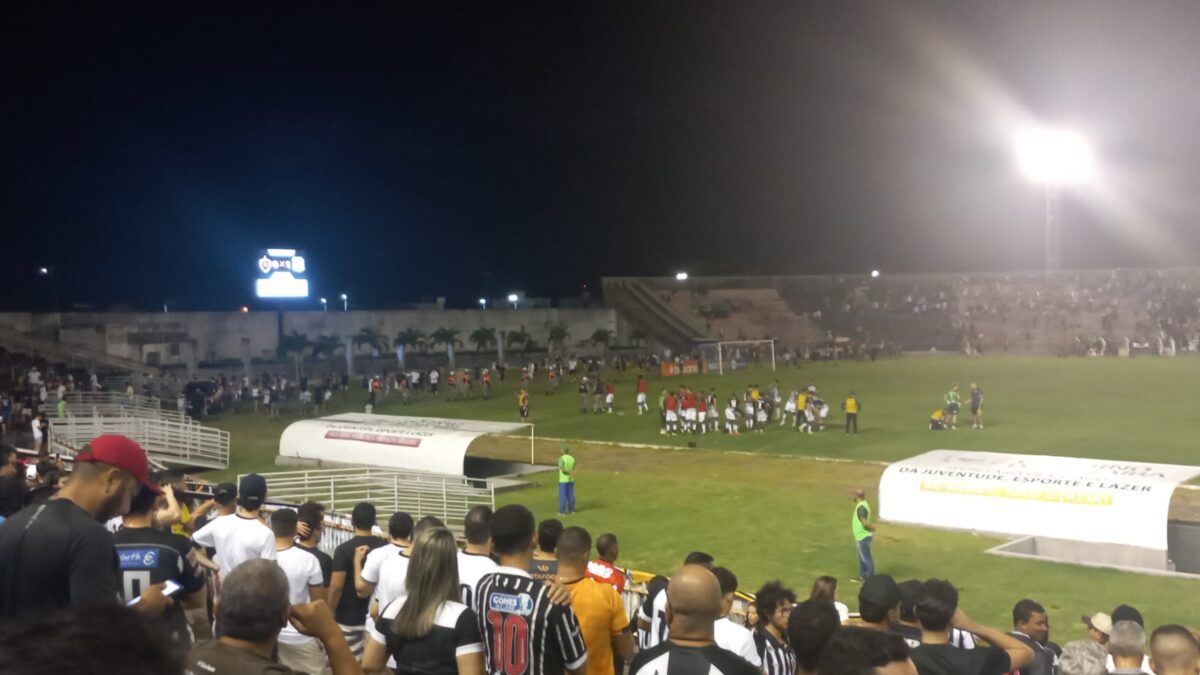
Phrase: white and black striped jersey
(777, 657)
(471, 568)
(654, 612)
(523, 632)
(455, 633)
(669, 658)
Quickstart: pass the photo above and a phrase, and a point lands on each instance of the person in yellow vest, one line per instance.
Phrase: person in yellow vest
(523, 403)
(937, 420)
(864, 532)
(851, 406)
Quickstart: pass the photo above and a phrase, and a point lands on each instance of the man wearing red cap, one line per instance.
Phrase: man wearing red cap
(58, 555)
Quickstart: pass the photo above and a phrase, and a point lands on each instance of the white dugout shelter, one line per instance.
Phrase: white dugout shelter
(429, 444)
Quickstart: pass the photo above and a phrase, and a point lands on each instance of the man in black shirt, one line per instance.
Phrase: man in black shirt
(12, 486)
(1032, 627)
(693, 604)
(852, 651)
(56, 555)
(937, 610)
(147, 556)
(312, 528)
(349, 609)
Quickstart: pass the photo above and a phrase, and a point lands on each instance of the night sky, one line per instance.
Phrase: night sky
(459, 149)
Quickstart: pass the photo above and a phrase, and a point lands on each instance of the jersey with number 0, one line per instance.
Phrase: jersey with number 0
(146, 557)
(471, 568)
(523, 632)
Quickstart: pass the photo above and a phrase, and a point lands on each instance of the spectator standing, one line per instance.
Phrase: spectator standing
(566, 482)
(297, 651)
(100, 639)
(12, 487)
(693, 606)
(1174, 651)
(810, 625)
(1128, 613)
(856, 651)
(864, 531)
(976, 406)
(826, 588)
(312, 529)
(937, 610)
(350, 611)
(1032, 627)
(597, 606)
(852, 407)
(774, 604)
(367, 565)
(393, 572)
(428, 630)
(146, 555)
(879, 603)
(1099, 627)
(242, 536)
(727, 634)
(1127, 646)
(652, 615)
(1082, 657)
(475, 560)
(58, 555)
(522, 629)
(603, 568)
(544, 566)
(254, 608)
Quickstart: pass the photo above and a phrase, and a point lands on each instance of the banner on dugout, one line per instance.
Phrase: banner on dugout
(1092, 500)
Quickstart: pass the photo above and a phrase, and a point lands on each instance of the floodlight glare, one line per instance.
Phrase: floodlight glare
(512, 297)
(1054, 156)
(874, 274)
(681, 276)
(483, 302)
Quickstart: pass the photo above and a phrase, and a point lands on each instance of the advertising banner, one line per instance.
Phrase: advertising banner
(1092, 500)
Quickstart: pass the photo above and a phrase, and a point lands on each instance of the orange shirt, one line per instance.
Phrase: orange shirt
(601, 615)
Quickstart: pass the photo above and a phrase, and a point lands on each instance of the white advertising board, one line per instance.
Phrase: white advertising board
(416, 443)
(1092, 500)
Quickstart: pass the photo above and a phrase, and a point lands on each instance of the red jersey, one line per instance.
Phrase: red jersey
(641, 387)
(702, 405)
(670, 402)
(608, 388)
(606, 573)
(689, 400)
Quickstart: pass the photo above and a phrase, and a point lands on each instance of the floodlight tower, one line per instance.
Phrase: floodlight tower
(1054, 159)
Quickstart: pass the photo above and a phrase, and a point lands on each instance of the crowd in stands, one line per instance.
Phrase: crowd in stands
(229, 588)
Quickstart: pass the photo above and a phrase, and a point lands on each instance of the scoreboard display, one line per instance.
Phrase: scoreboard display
(282, 273)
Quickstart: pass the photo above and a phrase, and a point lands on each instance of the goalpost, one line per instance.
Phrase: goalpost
(737, 354)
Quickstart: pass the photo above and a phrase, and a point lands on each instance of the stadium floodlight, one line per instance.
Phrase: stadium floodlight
(44, 271)
(345, 302)
(514, 299)
(874, 274)
(1054, 158)
(681, 276)
(245, 309)
(483, 303)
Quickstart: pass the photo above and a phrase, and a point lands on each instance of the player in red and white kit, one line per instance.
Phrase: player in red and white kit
(671, 419)
(702, 414)
(641, 395)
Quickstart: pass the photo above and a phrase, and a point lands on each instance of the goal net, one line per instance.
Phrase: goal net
(737, 354)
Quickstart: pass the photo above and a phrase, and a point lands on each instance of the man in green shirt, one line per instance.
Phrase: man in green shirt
(62, 408)
(953, 403)
(863, 533)
(566, 482)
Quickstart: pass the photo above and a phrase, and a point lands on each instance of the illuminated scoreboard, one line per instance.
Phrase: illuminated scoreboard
(282, 273)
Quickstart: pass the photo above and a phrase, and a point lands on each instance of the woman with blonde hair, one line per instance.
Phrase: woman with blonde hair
(430, 631)
(825, 588)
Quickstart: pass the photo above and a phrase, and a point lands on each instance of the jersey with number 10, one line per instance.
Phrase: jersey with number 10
(523, 632)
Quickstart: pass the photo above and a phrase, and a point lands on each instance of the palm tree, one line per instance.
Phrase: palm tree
(372, 338)
(638, 337)
(326, 345)
(448, 337)
(602, 337)
(409, 337)
(294, 345)
(558, 335)
(517, 337)
(482, 337)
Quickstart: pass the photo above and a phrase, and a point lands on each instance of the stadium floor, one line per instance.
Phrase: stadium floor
(767, 513)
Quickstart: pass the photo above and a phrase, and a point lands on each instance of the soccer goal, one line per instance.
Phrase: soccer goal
(738, 354)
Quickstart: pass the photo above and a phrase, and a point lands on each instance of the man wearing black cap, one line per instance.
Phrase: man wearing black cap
(57, 555)
(879, 603)
(242, 536)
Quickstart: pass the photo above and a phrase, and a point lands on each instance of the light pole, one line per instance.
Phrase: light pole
(483, 303)
(1054, 159)
(513, 298)
(345, 302)
(324, 305)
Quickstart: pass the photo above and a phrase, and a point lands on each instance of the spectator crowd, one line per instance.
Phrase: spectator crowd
(235, 585)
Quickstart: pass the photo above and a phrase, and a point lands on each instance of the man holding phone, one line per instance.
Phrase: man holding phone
(148, 556)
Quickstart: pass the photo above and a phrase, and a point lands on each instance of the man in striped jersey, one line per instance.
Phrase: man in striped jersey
(524, 631)
(652, 615)
(774, 604)
(693, 607)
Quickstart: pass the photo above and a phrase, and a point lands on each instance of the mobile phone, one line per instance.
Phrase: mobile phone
(170, 587)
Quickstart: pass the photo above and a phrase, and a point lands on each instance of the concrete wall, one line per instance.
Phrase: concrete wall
(184, 338)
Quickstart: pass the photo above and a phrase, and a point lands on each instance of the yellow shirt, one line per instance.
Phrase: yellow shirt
(851, 405)
(755, 394)
(937, 415)
(601, 615)
(185, 516)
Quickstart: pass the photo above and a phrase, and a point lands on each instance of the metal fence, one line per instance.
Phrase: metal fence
(114, 404)
(165, 440)
(421, 494)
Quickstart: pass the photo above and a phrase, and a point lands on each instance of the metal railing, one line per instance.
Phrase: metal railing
(166, 440)
(421, 494)
(115, 404)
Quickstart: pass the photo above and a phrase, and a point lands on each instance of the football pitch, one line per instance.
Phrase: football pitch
(766, 509)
